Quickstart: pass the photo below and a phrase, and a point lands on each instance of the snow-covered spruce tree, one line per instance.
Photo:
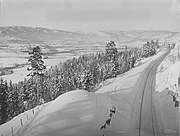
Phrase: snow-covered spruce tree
(3, 101)
(149, 49)
(111, 57)
(13, 101)
(111, 51)
(87, 80)
(37, 70)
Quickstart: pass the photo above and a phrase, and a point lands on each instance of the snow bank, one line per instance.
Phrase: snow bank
(168, 72)
(76, 113)
(166, 78)
(125, 82)
(81, 113)
(14, 125)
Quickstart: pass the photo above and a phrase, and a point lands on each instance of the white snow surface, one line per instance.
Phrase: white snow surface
(81, 113)
(14, 125)
(168, 72)
(166, 78)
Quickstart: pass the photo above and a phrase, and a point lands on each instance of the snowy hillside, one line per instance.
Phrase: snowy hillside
(80, 113)
(168, 72)
(166, 89)
(13, 126)
(115, 109)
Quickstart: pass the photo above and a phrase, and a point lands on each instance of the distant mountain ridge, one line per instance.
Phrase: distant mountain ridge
(23, 36)
(59, 45)
(33, 33)
(45, 34)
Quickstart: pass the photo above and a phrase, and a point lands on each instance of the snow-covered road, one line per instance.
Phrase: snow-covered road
(143, 117)
(115, 109)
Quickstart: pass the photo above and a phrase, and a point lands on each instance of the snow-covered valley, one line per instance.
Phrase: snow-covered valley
(107, 112)
(60, 45)
(137, 102)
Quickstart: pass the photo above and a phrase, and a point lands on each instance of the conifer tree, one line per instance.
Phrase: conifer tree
(111, 51)
(37, 69)
(36, 62)
(13, 101)
(111, 55)
(3, 101)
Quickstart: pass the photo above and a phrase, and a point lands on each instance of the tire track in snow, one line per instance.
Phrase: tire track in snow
(142, 120)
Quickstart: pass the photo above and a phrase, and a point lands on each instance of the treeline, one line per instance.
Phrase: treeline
(85, 72)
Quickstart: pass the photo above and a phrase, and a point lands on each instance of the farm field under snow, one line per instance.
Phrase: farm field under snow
(60, 45)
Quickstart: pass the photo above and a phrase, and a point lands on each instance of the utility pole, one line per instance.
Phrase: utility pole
(178, 53)
(179, 81)
(179, 84)
(0, 11)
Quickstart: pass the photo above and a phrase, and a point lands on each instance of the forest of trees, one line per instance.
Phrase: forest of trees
(85, 72)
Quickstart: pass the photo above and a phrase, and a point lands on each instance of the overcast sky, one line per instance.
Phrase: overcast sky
(93, 14)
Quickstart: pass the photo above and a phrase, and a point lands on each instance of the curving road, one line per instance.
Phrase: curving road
(80, 113)
(143, 118)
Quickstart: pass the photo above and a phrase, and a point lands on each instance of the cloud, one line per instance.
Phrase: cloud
(98, 15)
(175, 7)
(105, 14)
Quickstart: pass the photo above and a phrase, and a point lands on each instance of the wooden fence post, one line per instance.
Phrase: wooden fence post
(21, 122)
(27, 116)
(12, 131)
